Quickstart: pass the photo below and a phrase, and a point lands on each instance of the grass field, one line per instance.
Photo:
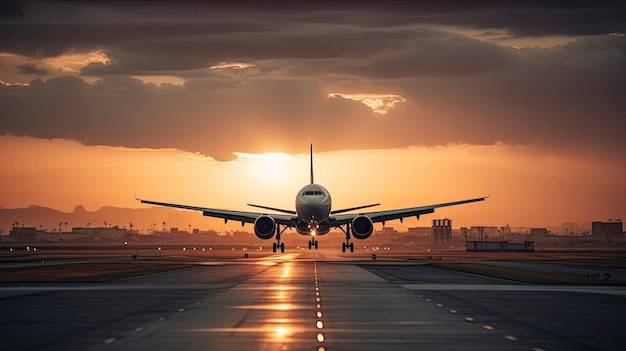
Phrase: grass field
(83, 272)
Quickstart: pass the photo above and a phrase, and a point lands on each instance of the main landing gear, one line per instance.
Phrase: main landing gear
(312, 243)
(347, 245)
(278, 245)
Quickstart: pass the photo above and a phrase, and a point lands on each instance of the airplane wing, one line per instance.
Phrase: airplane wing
(352, 209)
(274, 209)
(382, 216)
(239, 216)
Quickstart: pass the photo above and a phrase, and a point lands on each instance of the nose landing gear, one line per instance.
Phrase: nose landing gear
(347, 246)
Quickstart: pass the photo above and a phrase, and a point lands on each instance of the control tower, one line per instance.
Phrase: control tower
(442, 232)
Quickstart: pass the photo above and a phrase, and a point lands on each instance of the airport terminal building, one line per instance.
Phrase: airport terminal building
(77, 235)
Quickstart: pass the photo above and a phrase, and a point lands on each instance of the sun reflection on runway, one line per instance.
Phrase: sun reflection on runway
(280, 325)
(281, 332)
(286, 271)
(271, 307)
(279, 308)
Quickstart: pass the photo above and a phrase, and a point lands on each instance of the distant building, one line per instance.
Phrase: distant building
(24, 234)
(78, 234)
(479, 232)
(420, 231)
(538, 233)
(607, 230)
(441, 232)
(389, 231)
(499, 246)
(505, 231)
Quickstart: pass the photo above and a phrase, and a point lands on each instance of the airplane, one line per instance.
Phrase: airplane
(313, 216)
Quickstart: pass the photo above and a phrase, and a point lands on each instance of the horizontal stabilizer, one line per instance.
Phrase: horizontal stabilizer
(274, 209)
(352, 208)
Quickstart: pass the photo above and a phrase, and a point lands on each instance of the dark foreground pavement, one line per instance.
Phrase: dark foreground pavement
(302, 302)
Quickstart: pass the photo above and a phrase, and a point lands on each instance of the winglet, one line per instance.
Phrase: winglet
(311, 163)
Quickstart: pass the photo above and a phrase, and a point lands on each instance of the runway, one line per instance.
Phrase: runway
(311, 301)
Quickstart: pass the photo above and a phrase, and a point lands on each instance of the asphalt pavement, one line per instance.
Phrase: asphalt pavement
(311, 301)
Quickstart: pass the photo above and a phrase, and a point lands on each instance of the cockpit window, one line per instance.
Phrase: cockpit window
(311, 193)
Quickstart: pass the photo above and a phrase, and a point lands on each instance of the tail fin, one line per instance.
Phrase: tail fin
(311, 163)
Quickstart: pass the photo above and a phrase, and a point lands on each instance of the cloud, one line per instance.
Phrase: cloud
(456, 87)
(380, 104)
(187, 35)
(432, 53)
(29, 68)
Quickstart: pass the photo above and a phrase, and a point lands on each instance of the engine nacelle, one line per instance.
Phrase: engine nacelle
(265, 227)
(362, 227)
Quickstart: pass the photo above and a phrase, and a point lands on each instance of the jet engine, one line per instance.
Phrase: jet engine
(264, 227)
(362, 227)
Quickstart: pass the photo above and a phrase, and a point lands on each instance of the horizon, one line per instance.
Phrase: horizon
(405, 104)
(211, 224)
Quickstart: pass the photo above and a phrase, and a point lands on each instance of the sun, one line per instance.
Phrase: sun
(272, 166)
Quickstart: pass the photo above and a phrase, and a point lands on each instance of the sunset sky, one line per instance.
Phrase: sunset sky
(407, 103)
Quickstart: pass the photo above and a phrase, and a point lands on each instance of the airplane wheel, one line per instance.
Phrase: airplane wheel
(309, 245)
(343, 247)
(274, 247)
(315, 244)
(282, 247)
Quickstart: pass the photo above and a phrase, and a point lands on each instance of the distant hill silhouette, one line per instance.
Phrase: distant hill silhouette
(143, 219)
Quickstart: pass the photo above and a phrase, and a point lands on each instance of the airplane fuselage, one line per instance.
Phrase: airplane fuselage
(313, 205)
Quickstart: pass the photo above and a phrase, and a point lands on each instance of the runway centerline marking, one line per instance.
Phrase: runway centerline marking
(319, 324)
(110, 340)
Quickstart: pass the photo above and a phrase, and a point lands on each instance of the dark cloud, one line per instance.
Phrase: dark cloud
(11, 9)
(433, 54)
(148, 37)
(459, 89)
(29, 68)
(559, 98)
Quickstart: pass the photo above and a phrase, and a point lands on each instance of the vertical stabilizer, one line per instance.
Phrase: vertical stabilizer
(311, 163)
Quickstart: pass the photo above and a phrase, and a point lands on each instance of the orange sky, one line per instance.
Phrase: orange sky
(527, 189)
